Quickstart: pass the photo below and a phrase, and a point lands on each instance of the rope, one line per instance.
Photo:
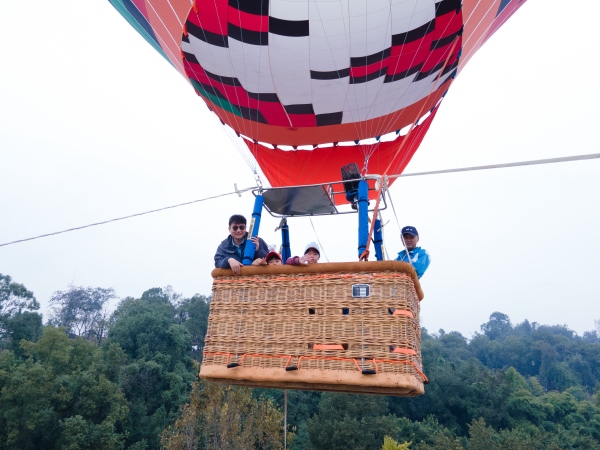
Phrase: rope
(433, 172)
(318, 240)
(399, 228)
(502, 166)
(124, 217)
(365, 254)
(419, 114)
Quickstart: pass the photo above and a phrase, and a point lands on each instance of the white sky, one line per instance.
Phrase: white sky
(95, 125)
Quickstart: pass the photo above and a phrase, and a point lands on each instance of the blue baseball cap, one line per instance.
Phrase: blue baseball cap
(410, 230)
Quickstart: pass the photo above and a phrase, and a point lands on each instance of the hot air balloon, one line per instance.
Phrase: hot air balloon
(312, 87)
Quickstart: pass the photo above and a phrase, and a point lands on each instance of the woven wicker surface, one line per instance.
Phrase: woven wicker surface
(306, 317)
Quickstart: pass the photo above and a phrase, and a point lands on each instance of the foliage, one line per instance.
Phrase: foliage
(17, 319)
(192, 313)
(120, 385)
(56, 396)
(224, 417)
(346, 421)
(82, 311)
(158, 373)
(391, 444)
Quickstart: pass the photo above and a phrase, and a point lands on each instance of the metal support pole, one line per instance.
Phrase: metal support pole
(378, 240)
(363, 216)
(286, 252)
(285, 419)
(253, 231)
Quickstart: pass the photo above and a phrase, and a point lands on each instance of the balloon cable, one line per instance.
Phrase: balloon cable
(365, 254)
(502, 166)
(237, 191)
(318, 240)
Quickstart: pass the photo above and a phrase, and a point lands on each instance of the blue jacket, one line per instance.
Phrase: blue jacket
(227, 250)
(419, 258)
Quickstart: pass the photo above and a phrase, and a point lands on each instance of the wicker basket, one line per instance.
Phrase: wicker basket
(348, 327)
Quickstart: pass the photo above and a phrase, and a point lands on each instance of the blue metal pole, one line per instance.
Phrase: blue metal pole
(286, 252)
(363, 216)
(253, 231)
(378, 240)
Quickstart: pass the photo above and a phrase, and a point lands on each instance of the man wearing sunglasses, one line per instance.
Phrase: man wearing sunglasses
(231, 251)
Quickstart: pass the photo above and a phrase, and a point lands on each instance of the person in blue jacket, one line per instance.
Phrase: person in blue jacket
(230, 252)
(417, 256)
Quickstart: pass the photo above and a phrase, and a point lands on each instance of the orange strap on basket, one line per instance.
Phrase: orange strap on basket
(404, 351)
(403, 312)
(328, 347)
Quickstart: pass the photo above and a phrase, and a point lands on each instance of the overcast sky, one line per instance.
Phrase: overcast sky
(95, 125)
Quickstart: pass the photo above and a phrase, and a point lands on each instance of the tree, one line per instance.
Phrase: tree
(497, 327)
(56, 396)
(483, 437)
(347, 421)
(15, 300)
(428, 434)
(192, 313)
(221, 417)
(82, 311)
(26, 325)
(158, 374)
(391, 444)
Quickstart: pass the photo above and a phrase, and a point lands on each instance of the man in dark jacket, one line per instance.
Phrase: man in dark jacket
(230, 252)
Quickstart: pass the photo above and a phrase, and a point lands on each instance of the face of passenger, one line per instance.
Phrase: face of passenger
(410, 240)
(237, 231)
(274, 261)
(311, 256)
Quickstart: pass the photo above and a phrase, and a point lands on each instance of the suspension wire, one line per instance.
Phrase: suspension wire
(238, 191)
(502, 166)
(318, 240)
(399, 228)
(383, 233)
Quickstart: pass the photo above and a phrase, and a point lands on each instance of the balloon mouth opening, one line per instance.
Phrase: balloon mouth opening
(387, 137)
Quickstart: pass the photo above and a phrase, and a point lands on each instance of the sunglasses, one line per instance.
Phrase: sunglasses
(236, 227)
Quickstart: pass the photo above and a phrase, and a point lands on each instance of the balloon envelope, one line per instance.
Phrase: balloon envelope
(290, 73)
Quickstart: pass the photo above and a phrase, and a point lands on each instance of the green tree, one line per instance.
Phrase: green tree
(497, 327)
(158, 374)
(17, 319)
(57, 397)
(347, 421)
(192, 313)
(483, 437)
(427, 434)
